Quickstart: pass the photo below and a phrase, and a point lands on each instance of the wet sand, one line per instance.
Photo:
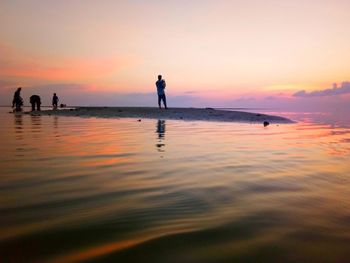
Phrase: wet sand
(189, 114)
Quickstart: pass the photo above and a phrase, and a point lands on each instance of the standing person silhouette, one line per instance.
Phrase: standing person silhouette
(55, 100)
(160, 90)
(17, 101)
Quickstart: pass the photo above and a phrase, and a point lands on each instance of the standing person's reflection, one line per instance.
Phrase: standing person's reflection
(55, 126)
(161, 132)
(55, 122)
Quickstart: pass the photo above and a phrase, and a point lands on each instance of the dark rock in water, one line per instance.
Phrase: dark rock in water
(139, 120)
(120, 111)
(209, 109)
(70, 109)
(266, 123)
(258, 115)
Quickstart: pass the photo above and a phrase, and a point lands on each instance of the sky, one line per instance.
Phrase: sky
(238, 53)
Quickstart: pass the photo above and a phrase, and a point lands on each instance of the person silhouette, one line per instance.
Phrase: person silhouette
(17, 101)
(35, 101)
(160, 84)
(55, 100)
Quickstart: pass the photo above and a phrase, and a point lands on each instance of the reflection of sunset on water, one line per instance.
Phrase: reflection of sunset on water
(100, 187)
(106, 188)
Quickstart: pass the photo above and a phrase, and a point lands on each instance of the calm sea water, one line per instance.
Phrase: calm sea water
(118, 190)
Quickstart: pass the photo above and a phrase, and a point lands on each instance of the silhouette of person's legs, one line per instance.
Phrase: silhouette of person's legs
(164, 101)
(160, 99)
(38, 105)
(18, 104)
(33, 106)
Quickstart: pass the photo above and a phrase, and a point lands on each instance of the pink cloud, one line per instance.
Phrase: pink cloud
(15, 64)
(344, 88)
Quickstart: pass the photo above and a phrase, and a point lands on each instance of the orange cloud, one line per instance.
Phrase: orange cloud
(14, 63)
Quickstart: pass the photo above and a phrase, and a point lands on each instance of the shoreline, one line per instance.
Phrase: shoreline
(187, 114)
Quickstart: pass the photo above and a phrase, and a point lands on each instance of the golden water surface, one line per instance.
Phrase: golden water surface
(119, 190)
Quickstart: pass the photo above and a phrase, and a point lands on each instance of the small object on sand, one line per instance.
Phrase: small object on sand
(139, 120)
(266, 123)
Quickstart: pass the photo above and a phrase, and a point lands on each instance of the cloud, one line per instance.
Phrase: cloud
(270, 98)
(5, 84)
(245, 99)
(17, 64)
(343, 89)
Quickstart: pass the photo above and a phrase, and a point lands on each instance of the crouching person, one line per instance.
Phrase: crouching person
(35, 101)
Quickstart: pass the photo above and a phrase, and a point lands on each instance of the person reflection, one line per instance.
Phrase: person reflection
(55, 122)
(36, 124)
(161, 132)
(18, 126)
(55, 127)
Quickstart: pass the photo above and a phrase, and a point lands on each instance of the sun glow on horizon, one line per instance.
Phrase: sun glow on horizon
(226, 48)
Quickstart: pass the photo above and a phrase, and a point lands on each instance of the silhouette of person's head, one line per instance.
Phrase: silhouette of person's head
(159, 77)
(54, 94)
(19, 89)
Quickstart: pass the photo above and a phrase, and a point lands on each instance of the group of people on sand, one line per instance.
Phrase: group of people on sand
(34, 100)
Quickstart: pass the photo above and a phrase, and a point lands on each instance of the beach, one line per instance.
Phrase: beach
(189, 114)
(174, 132)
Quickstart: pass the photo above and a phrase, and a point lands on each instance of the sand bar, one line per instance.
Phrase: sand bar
(189, 114)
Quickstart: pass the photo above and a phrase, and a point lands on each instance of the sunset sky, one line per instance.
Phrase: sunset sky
(239, 53)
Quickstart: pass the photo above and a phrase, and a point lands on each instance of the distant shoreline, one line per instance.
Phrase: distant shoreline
(188, 114)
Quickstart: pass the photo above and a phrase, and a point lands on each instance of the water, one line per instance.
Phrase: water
(118, 190)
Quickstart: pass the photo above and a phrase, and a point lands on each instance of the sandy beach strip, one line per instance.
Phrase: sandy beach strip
(189, 114)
